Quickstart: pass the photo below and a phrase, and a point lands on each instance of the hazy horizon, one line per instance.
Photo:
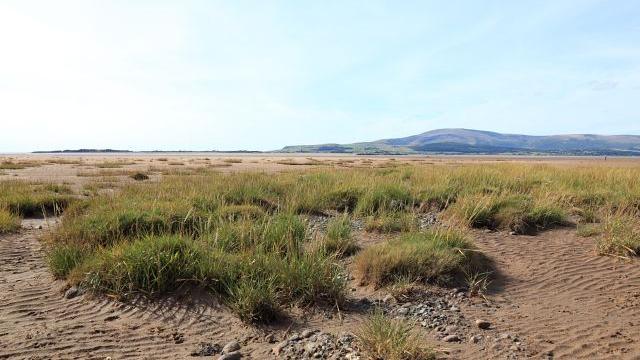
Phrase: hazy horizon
(215, 75)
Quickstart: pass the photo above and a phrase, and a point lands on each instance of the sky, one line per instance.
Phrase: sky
(259, 75)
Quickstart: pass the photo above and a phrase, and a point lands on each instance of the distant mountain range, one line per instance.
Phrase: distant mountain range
(466, 141)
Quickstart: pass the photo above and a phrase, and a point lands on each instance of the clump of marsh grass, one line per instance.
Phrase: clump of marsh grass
(391, 339)
(434, 255)
(384, 198)
(63, 258)
(26, 199)
(588, 230)
(620, 235)
(8, 222)
(517, 213)
(338, 239)
(391, 222)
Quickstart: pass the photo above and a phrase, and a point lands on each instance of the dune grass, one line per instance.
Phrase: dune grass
(26, 199)
(243, 236)
(432, 256)
(338, 239)
(620, 234)
(387, 223)
(8, 222)
(383, 338)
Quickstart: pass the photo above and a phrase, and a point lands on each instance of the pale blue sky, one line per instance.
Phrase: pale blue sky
(202, 75)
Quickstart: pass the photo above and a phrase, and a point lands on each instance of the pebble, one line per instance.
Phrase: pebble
(231, 347)
(206, 349)
(270, 338)
(231, 356)
(475, 339)
(483, 324)
(451, 338)
(278, 348)
(72, 292)
(307, 333)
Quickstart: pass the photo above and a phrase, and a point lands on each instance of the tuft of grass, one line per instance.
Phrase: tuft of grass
(384, 198)
(25, 199)
(390, 223)
(391, 339)
(338, 240)
(8, 222)
(113, 164)
(518, 213)
(435, 255)
(254, 301)
(620, 235)
(343, 200)
(588, 230)
(63, 258)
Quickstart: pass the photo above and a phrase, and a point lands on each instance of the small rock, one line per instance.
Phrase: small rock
(483, 324)
(270, 338)
(455, 308)
(294, 337)
(311, 347)
(514, 348)
(451, 329)
(278, 348)
(307, 333)
(231, 347)
(475, 339)
(403, 311)
(206, 349)
(71, 293)
(231, 356)
(111, 318)
(451, 338)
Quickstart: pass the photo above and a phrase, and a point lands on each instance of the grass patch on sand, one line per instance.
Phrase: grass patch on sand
(518, 213)
(243, 236)
(8, 222)
(25, 199)
(432, 256)
(114, 164)
(387, 223)
(338, 239)
(620, 235)
(391, 339)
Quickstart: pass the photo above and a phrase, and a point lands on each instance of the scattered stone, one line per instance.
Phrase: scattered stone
(72, 292)
(231, 347)
(319, 346)
(307, 333)
(451, 338)
(206, 349)
(278, 348)
(111, 318)
(177, 337)
(270, 338)
(475, 339)
(231, 356)
(483, 324)
(451, 329)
